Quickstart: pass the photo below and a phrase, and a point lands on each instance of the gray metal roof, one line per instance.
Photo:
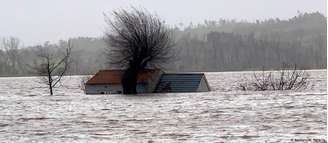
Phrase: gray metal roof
(177, 82)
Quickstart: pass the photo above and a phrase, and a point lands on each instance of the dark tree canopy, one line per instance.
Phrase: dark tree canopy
(137, 40)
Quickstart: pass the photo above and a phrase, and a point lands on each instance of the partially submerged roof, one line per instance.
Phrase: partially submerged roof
(114, 76)
(181, 82)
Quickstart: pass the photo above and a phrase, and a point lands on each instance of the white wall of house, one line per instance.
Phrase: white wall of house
(112, 89)
(152, 82)
(203, 85)
(103, 89)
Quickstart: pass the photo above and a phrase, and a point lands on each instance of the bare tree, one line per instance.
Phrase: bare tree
(136, 40)
(287, 78)
(50, 66)
(10, 46)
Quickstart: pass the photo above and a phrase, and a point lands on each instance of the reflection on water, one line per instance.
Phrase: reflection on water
(225, 114)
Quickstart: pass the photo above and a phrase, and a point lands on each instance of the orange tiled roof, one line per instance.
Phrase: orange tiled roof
(114, 76)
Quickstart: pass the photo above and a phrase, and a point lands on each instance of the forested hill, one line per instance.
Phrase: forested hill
(222, 45)
(229, 45)
(299, 27)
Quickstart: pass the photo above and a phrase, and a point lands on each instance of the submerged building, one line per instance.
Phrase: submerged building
(149, 81)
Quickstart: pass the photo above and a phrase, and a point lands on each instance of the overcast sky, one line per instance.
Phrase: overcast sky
(37, 21)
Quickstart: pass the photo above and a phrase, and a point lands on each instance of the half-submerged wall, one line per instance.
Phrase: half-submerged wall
(151, 81)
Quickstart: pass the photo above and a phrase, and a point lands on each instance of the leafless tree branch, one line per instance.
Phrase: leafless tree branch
(51, 68)
(136, 40)
(286, 78)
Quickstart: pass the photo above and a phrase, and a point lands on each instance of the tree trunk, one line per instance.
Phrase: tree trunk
(129, 81)
(49, 79)
(50, 88)
(50, 83)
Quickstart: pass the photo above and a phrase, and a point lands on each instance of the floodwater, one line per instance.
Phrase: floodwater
(226, 114)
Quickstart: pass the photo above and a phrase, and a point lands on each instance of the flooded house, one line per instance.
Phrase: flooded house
(149, 81)
(109, 82)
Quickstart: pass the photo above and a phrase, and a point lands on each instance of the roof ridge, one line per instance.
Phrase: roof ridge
(185, 73)
(113, 76)
(124, 69)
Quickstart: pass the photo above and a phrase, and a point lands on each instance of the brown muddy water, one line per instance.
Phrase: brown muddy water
(226, 114)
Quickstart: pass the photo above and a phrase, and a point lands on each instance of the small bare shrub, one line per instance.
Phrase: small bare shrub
(285, 79)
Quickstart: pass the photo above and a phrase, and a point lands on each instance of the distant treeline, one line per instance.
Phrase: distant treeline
(222, 45)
